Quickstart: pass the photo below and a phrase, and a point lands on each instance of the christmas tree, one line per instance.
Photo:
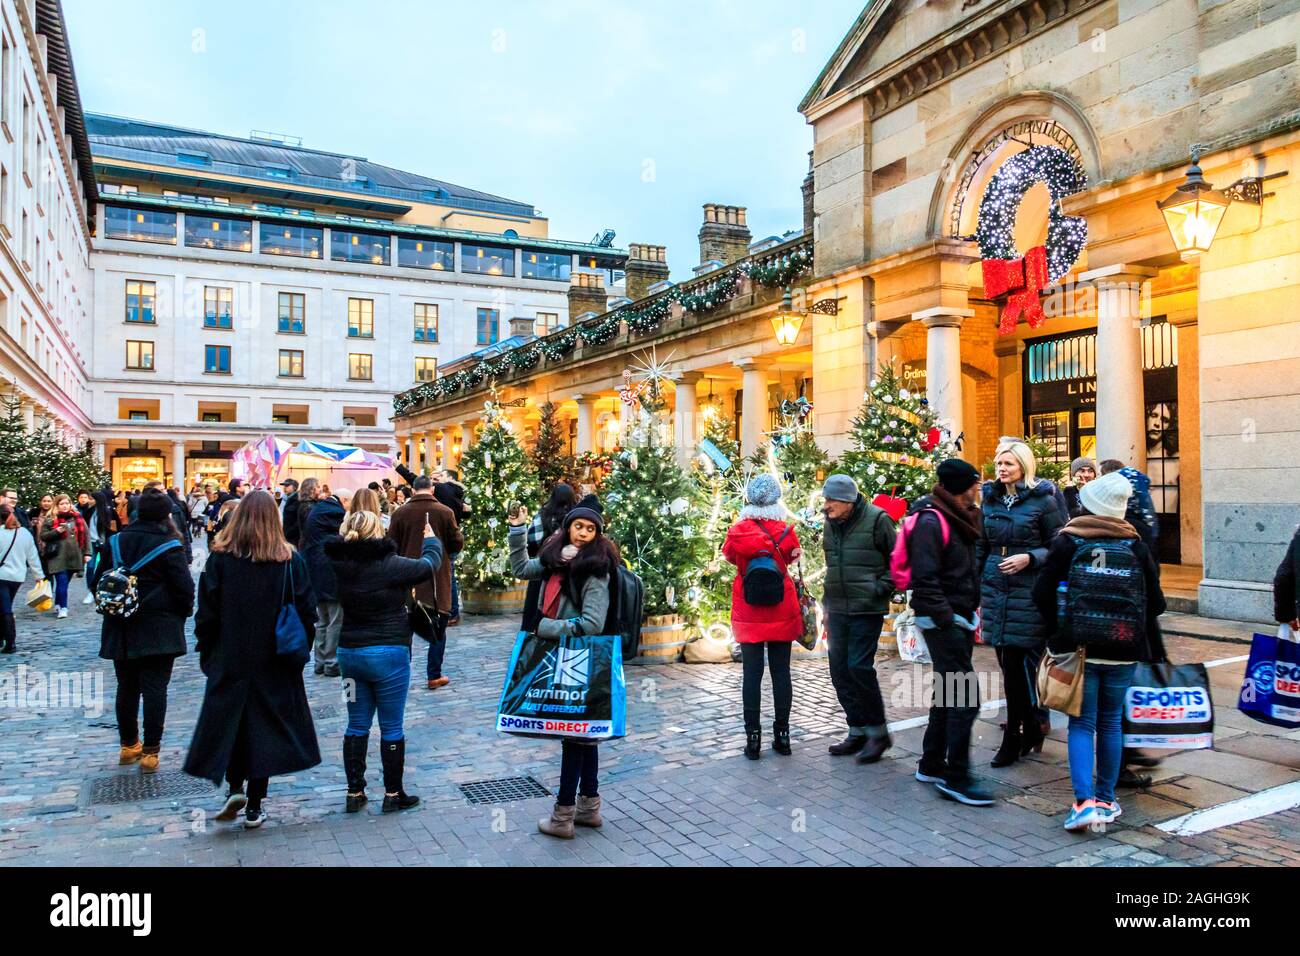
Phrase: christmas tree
(549, 460)
(38, 463)
(897, 441)
(496, 473)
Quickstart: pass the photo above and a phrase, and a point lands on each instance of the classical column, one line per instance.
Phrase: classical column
(178, 465)
(466, 439)
(943, 361)
(29, 416)
(753, 408)
(101, 452)
(686, 416)
(586, 440)
(1121, 411)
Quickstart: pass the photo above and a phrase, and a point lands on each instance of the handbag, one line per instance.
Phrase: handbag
(421, 617)
(1270, 688)
(811, 632)
(41, 596)
(290, 636)
(1060, 681)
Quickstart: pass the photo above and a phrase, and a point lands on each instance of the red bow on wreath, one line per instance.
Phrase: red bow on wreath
(1022, 279)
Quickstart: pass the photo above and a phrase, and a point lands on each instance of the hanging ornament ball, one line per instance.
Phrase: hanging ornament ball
(904, 393)
(493, 522)
(679, 505)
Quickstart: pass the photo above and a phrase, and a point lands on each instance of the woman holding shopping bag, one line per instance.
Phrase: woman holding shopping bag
(67, 548)
(574, 566)
(18, 556)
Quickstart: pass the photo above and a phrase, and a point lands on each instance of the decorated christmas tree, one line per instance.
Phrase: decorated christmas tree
(496, 473)
(548, 457)
(38, 463)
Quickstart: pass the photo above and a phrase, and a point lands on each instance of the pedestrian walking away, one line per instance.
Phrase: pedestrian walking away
(18, 558)
(765, 613)
(322, 526)
(289, 511)
(65, 548)
(255, 722)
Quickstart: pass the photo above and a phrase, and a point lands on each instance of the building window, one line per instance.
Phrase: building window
(426, 322)
(292, 313)
(140, 298)
(547, 322)
(487, 260)
(489, 326)
(141, 225)
(425, 254)
(207, 232)
(290, 363)
(139, 355)
(361, 318)
(302, 241)
(426, 369)
(359, 366)
(547, 265)
(216, 359)
(217, 303)
(358, 247)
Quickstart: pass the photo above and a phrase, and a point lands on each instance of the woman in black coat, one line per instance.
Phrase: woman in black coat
(255, 722)
(144, 646)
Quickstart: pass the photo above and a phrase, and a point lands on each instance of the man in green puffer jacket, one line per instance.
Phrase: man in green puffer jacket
(858, 541)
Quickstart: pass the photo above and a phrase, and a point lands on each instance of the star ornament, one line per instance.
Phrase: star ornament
(650, 369)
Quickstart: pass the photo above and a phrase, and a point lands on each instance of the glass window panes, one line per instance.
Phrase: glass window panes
(489, 326)
(359, 366)
(361, 318)
(291, 363)
(547, 322)
(139, 355)
(140, 298)
(487, 260)
(1053, 430)
(217, 306)
(292, 313)
(426, 322)
(216, 358)
(358, 247)
(143, 225)
(426, 369)
(209, 232)
(546, 265)
(425, 254)
(288, 240)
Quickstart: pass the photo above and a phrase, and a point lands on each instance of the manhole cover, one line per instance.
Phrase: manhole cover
(504, 790)
(139, 787)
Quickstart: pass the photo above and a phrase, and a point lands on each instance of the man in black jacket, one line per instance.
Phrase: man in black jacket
(945, 597)
(289, 511)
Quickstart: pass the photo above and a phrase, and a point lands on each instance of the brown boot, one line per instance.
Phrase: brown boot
(560, 823)
(131, 754)
(588, 814)
(149, 759)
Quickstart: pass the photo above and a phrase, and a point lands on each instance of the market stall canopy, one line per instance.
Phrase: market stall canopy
(269, 460)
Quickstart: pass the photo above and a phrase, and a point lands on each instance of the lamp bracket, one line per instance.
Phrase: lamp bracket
(827, 307)
(1250, 189)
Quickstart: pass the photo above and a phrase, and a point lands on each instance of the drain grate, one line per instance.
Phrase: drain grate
(139, 787)
(504, 790)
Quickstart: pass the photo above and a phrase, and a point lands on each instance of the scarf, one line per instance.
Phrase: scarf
(1098, 526)
(968, 520)
(551, 595)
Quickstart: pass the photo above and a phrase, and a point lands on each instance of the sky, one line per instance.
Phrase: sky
(601, 113)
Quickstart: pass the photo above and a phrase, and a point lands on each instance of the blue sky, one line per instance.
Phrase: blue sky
(619, 114)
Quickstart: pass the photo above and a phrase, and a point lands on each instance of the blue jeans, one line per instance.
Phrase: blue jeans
(380, 677)
(437, 646)
(61, 588)
(1099, 726)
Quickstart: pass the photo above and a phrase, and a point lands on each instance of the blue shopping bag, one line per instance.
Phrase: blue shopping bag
(571, 687)
(1270, 691)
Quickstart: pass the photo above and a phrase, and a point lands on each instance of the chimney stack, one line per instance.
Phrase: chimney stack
(724, 235)
(809, 186)
(646, 265)
(523, 325)
(586, 294)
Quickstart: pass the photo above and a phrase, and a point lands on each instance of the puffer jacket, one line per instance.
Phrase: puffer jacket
(857, 561)
(322, 525)
(751, 623)
(374, 582)
(1007, 611)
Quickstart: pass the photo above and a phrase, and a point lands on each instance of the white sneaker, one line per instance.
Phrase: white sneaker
(89, 598)
(63, 612)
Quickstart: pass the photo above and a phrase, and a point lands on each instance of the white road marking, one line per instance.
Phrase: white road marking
(1273, 800)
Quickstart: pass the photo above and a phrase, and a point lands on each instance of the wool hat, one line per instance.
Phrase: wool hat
(956, 476)
(1107, 496)
(762, 491)
(589, 509)
(1082, 462)
(840, 488)
(154, 506)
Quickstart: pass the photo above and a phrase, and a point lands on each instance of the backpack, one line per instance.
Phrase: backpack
(764, 580)
(900, 560)
(116, 594)
(626, 600)
(1105, 602)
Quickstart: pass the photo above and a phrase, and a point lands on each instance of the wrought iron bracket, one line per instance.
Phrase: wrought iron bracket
(1250, 189)
(827, 307)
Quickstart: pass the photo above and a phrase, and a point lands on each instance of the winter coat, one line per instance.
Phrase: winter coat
(1073, 506)
(452, 494)
(374, 582)
(166, 590)
(1141, 513)
(753, 624)
(1286, 584)
(407, 531)
(255, 712)
(71, 549)
(18, 556)
(289, 515)
(581, 611)
(857, 561)
(1007, 610)
(945, 579)
(323, 522)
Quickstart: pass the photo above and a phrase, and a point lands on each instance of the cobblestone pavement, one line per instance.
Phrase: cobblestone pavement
(677, 790)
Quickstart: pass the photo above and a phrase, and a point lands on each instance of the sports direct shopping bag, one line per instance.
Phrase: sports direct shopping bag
(1270, 691)
(1168, 707)
(571, 687)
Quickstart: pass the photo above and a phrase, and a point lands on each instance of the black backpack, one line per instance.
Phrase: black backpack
(1106, 602)
(626, 603)
(764, 580)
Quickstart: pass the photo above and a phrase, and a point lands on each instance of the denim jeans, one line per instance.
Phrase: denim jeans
(437, 646)
(946, 746)
(851, 642)
(1099, 727)
(379, 678)
(61, 588)
(8, 629)
(751, 693)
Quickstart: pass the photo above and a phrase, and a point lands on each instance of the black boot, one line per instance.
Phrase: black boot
(849, 745)
(393, 753)
(781, 740)
(354, 766)
(753, 744)
(875, 749)
(1031, 740)
(8, 632)
(1009, 752)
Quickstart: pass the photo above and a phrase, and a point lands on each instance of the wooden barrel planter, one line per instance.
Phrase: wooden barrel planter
(888, 642)
(662, 638)
(508, 601)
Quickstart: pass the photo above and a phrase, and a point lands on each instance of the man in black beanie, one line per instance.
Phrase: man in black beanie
(945, 597)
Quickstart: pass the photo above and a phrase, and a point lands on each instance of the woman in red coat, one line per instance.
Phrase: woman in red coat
(762, 531)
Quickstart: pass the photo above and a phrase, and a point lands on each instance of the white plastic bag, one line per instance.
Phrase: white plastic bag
(911, 642)
(1284, 633)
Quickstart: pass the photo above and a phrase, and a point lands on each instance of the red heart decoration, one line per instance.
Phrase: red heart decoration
(931, 440)
(894, 507)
